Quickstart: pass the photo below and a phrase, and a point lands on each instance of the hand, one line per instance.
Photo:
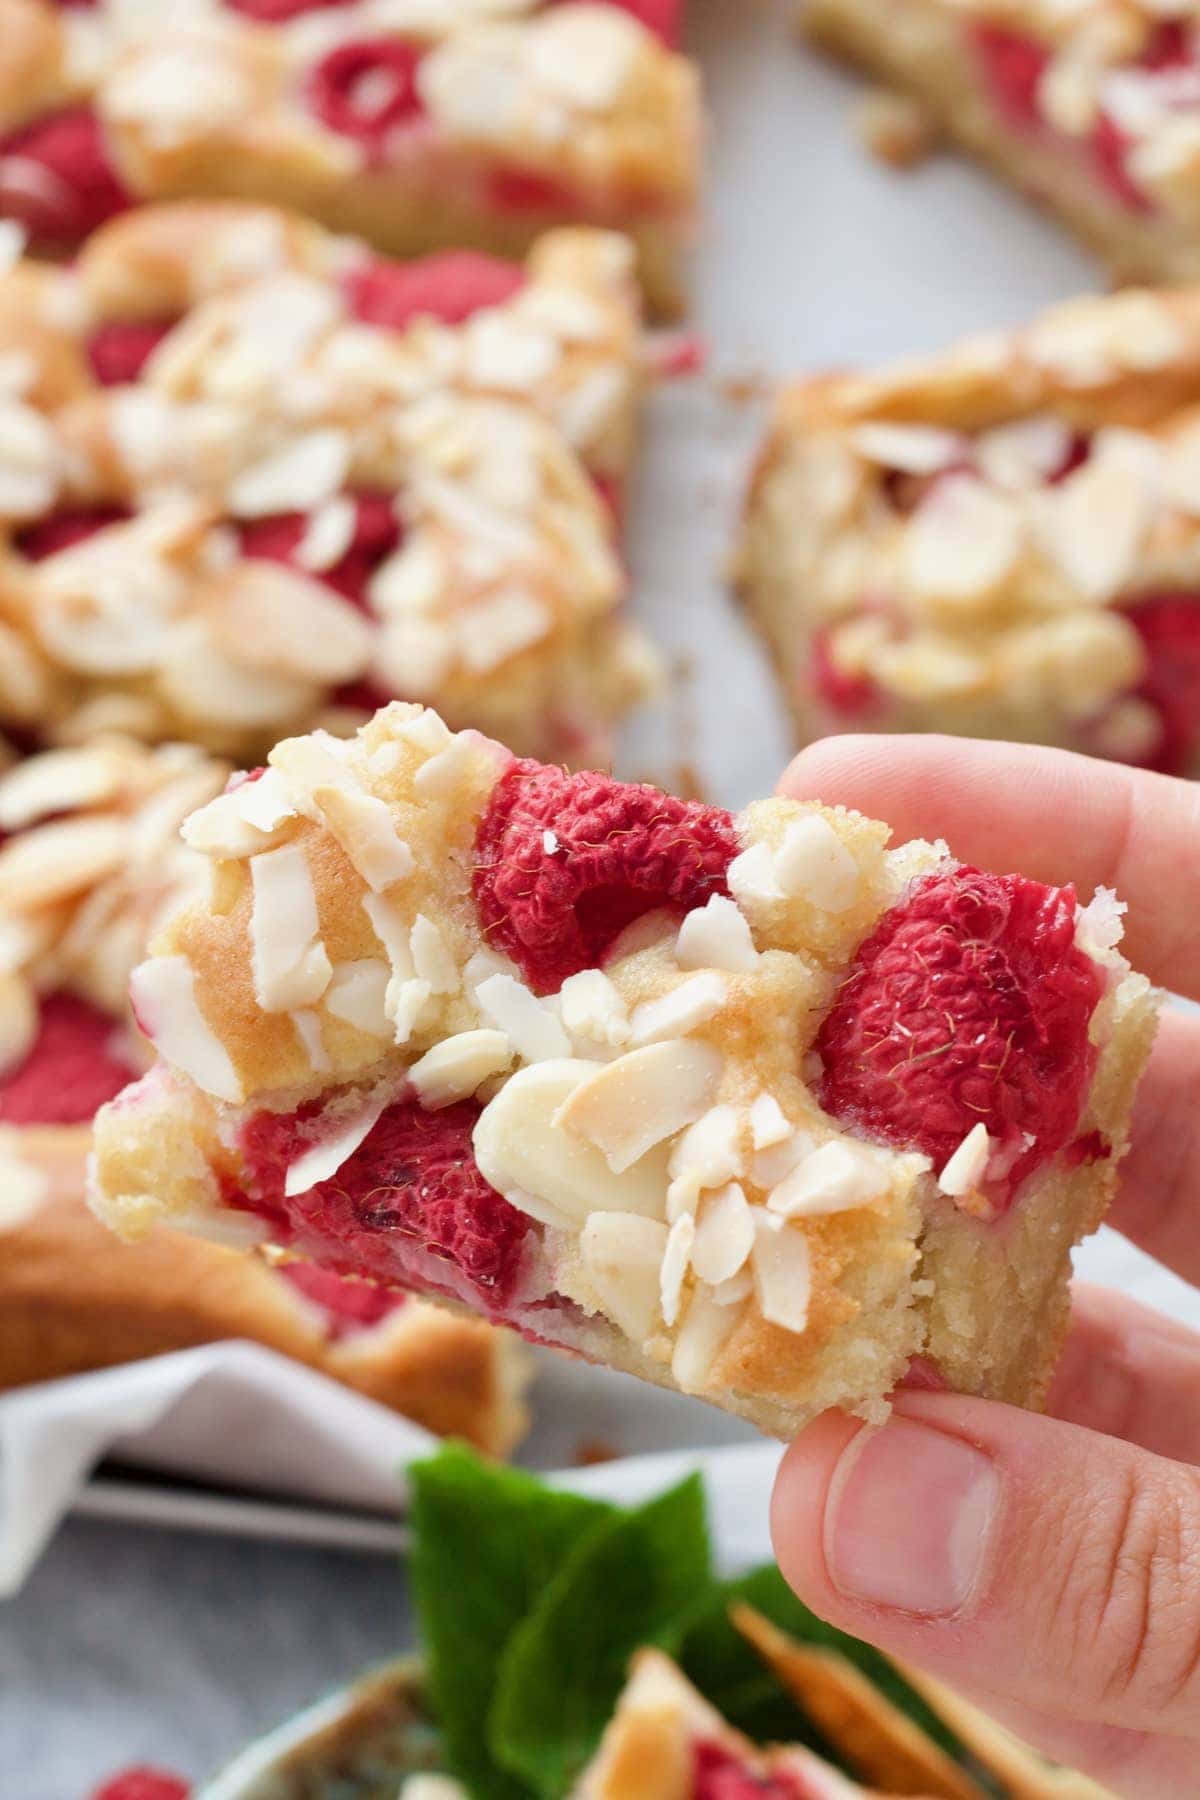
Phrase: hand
(1048, 1567)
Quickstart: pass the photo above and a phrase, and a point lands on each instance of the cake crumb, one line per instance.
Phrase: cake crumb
(895, 128)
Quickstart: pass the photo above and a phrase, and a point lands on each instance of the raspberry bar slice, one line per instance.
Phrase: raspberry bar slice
(90, 864)
(666, 1739)
(333, 480)
(753, 1107)
(1091, 108)
(418, 128)
(999, 541)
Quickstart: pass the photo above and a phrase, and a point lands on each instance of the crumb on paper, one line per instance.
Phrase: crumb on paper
(895, 128)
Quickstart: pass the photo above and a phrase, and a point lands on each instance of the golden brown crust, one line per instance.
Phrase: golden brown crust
(74, 1299)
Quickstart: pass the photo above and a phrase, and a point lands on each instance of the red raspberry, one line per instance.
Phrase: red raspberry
(412, 1186)
(349, 1306)
(622, 850)
(849, 696)
(60, 530)
(119, 350)
(1169, 627)
(278, 12)
(144, 1784)
(526, 191)
(376, 535)
(449, 287)
(720, 1775)
(969, 1002)
(367, 90)
(71, 1070)
(56, 179)
(1013, 65)
(1110, 150)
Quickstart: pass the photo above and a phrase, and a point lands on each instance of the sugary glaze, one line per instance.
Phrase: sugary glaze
(665, 1739)
(645, 1080)
(419, 126)
(1000, 541)
(1091, 107)
(320, 478)
(90, 864)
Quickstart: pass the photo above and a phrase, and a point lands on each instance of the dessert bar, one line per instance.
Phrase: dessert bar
(418, 127)
(91, 862)
(999, 541)
(1091, 108)
(755, 1107)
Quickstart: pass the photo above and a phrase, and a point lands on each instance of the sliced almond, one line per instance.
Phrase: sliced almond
(324, 1159)
(674, 1014)
(432, 958)
(163, 995)
(19, 1013)
(593, 1010)
(521, 1148)
(61, 781)
(813, 863)
(782, 1272)
(724, 1235)
(533, 1025)
(706, 1329)
(835, 1178)
(968, 1165)
(627, 1107)
(356, 995)
(768, 1122)
(716, 936)
(457, 1066)
(363, 825)
(673, 1271)
(62, 858)
(291, 966)
(622, 1254)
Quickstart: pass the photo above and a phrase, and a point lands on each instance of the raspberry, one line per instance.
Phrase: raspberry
(622, 850)
(376, 535)
(349, 1306)
(514, 190)
(71, 1070)
(73, 187)
(119, 351)
(278, 12)
(969, 1002)
(411, 1186)
(1169, 627)
(449, 287)
(60, 530)
(144, 1783)
(1110, 151)
(849, 696)
(366, 90)
(1013, 66)
(719, 1775)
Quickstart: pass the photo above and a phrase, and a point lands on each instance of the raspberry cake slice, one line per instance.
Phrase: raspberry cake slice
(90, 865)
(318, 493)
(999, 541)
(665, 1739)
(1091, 108)
(752, 1107)
(470, 123)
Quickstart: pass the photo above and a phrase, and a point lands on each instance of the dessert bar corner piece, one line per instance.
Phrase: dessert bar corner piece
(90, 863)
(755, 1107)
(1088, 107)
(1000, 540)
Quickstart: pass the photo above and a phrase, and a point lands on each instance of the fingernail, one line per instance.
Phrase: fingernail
(908, 1519)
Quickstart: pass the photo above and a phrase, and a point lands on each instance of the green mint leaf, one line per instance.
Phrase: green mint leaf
(632, 1582)
(486, 1543)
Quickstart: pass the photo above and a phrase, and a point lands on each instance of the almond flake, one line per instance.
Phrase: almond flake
(446, 770)
(64, 857)
(813, 864)
(910, 449)
(707, 1155)
(404, 1003)
(673, 1015)
(304, 473)
(356, 994)
(706, 1329)
(752, 877)
(739, 1287)
(835, 1178)
(593, 1010)
(622, 1254)
(768, 1122)
(456, 1067)
(782, 1272)
(627, 1107)
(308, 1030)
(328, 535)
(431, 957)
(968, 1165)
(724, 1235)
(325, 1158)
(963, 541)
(774, 1162)
(1094, 522)
(266, 803)
(163, 995)
(499, 627)
(19, 1017)
(394, 933)
(291, 967)
(550, 1172)
(533, 1025)
(675, 1260)
(716, 936)
(364, 827)
(60, 781)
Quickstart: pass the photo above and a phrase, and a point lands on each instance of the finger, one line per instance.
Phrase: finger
(1158, 1199)
(1045, 813)
(1035, 1559)
(1130, 1373)
(1135, 1764)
